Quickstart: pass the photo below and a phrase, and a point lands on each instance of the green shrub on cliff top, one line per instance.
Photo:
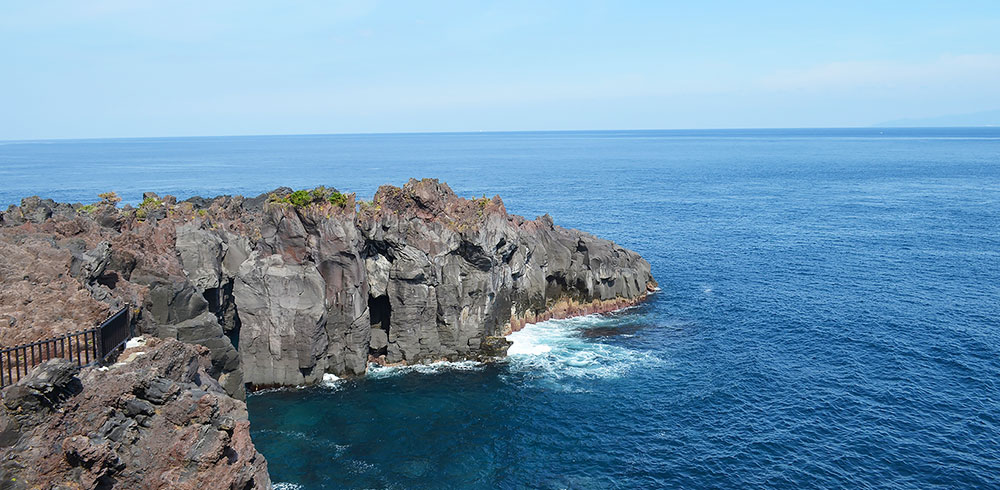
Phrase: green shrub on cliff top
(150, 202)
(302, 198)
(319, 194)
(338, 199)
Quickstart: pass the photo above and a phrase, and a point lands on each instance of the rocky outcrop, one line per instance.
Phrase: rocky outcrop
(155, 420)
(288, 286)
(447, 273)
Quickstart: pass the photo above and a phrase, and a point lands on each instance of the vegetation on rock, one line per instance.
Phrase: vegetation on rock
(303, 198)
(148, 204)
(110, 197)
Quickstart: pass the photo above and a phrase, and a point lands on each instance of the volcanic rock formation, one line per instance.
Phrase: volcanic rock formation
(288, 286)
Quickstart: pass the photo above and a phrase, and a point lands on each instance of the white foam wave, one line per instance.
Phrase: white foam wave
(379, 371)
(286, 486)
(525, 346)
(331, 381)
(276, 389)
(556, 349)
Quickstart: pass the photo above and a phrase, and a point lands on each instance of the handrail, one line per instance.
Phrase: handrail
(97, 344)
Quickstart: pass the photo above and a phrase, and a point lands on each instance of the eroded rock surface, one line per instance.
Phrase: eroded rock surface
(286, 287)
(155, 420)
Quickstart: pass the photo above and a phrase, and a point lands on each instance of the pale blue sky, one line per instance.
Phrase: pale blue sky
(120, 68)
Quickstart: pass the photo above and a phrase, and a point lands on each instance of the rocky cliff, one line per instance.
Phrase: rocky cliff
(155, 420)
(288, 286)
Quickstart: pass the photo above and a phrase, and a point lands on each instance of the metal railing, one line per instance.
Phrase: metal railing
(114, 332)
(84, 346)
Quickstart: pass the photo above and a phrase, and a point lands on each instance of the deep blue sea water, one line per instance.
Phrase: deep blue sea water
(829, 314)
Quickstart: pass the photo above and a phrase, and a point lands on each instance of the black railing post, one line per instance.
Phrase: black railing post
(100, 344)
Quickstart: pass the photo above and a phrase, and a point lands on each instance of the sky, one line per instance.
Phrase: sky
(131, 68)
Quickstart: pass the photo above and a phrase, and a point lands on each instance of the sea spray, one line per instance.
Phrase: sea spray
(557, 349)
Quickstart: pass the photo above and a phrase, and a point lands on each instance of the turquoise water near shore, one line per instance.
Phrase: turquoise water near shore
(829, 313)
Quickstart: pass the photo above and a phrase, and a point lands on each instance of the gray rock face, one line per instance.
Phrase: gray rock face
(201, 253)
(417, 275)
(283, 337)
(33, 397)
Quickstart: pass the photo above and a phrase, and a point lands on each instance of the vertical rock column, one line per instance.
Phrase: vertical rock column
(283, 339)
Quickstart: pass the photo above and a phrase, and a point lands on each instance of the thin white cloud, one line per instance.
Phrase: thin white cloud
(967, 69)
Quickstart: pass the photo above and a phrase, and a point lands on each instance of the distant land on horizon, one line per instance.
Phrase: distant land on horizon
(972, 119)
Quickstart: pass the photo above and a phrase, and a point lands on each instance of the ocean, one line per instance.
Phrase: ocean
(829, 314)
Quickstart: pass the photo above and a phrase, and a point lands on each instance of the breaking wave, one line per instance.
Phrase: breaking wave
(561, 349)
(377, 371)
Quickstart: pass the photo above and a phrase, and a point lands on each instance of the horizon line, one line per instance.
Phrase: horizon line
(491, 131)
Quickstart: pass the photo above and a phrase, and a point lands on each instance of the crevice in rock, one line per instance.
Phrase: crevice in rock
(555, 286)
(212, 295)
(223, 305)
(105, 482)
(108, 279)
(234, 335)
(475, 255)
(380, 312)
(378, 247)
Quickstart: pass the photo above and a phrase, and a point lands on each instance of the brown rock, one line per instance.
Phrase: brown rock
(158, 421)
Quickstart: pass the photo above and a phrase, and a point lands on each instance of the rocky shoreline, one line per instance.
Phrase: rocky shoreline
(289, 286)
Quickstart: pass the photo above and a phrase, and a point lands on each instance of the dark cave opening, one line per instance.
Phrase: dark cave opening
(379, 311)
(213, 296)
(222, 303)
